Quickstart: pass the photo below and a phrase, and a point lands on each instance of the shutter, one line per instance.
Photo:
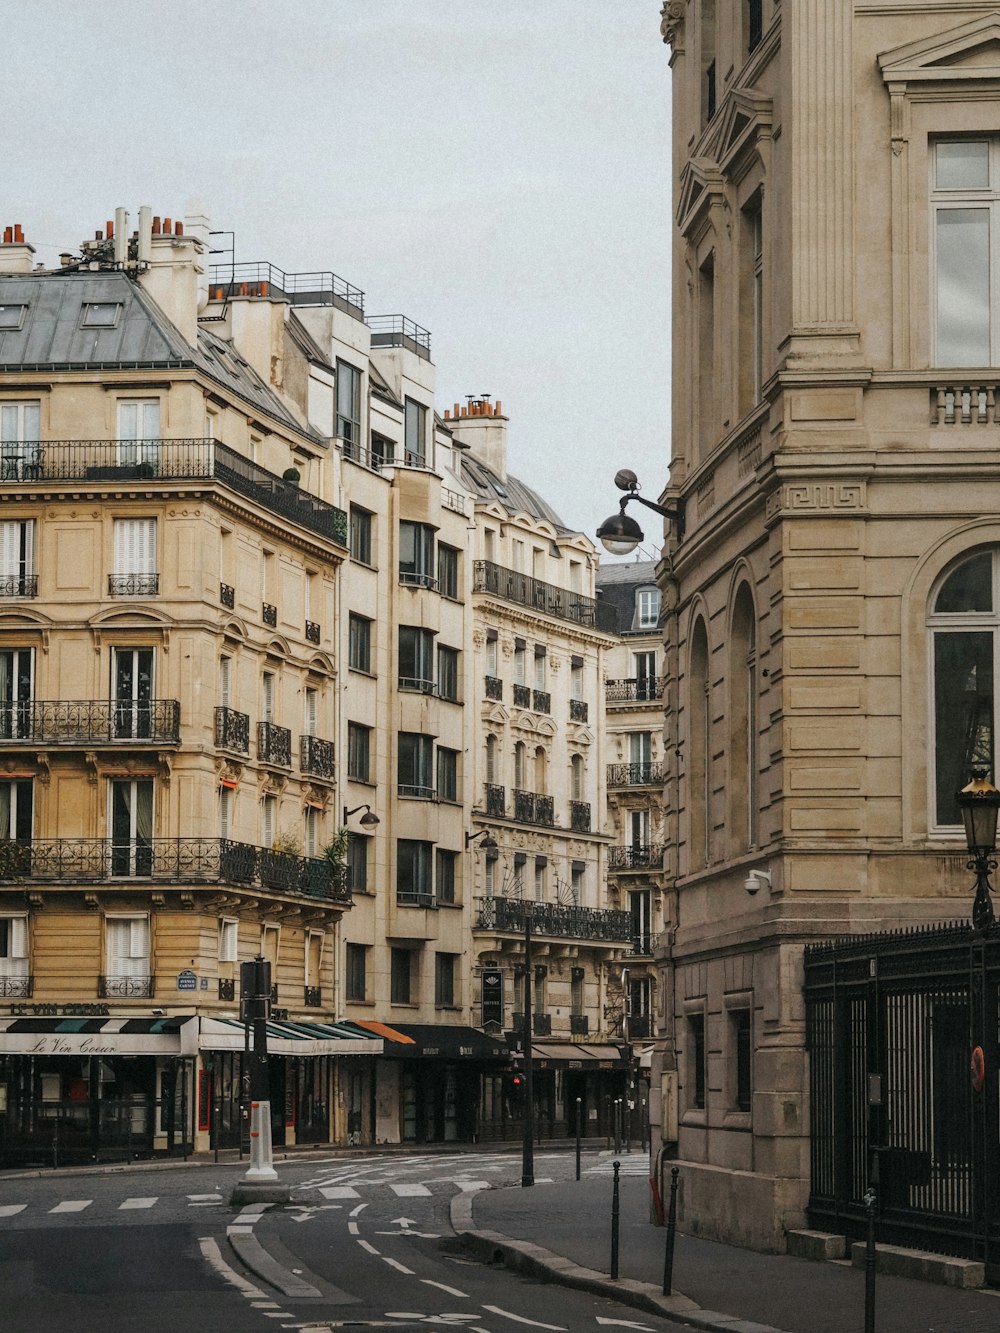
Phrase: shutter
(10, 549)
(146, 546)
(117, 947)
(138, 941)
(18, 937)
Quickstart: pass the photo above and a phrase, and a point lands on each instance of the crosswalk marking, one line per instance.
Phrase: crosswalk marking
(138, 1203)
(71, 1206)
(468, 1186)
(339, 1192)
(410, 1191)
(9, 1209)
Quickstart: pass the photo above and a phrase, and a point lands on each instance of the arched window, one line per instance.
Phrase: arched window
(964, 625)
(699, 748)
(576, 777)
(743, 756)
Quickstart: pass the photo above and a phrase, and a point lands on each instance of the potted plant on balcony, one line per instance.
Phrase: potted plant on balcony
(334, 857)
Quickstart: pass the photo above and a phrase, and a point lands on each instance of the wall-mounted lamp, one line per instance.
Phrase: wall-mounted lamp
(619, 534)
(756, 880)
(486, 841)
(368, 820)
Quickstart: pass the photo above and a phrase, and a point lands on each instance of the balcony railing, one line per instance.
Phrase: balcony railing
(16, 987)
(638, 856)
(227, 989)
(522, 696)
(313, 997)
(232, 730)
(274, 744)
(579, 816)
(533, 807)
(90, 722)
(512, 586)
(634, 689)
(312, 631)
(496, 801)
(316, 757)
(149, 461)
(642, 946)
(227, 595)
(541, 701)
(494, 688)
(19, 585)
(640, 1027)
(415, 791)
(413, 578)
(507, 916)
(541, 1025)
(579, 1025)
(636, 775)
(578, 710)
(124, 988)
(133, 585)
(269, 614)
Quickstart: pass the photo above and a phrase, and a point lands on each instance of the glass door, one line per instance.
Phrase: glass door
(132, 688)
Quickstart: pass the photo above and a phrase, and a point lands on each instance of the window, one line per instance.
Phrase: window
(270, 938)
(644, 672)
(639, 909)
(743, 722)
(707, 378)
(415, 775)
(640, 749)
(740, 1036)
(349, 406)
(126, 956)
(576, 778)
(360, 535)
(132, 691)
(754, 220)
(357, 863)
(359, 643)
(413, 872)
(444, 980)
(227, 800)
(699, 769)
(491, 653)
(416, 659)
(416, 554)
(520, 662)
(12, 316)
(541, 868)
(578, 883)
(447, 678)
(19, 431)
(225, 681)
(444, 875)
(647, 608)
(356, 985)
(447, 571)
(14, 956)
(696, 1061)
(576, 992)
(313, 972)
(358, 747)
(267, 696)
(17, 671)
(638, 828)
(492, 759)
(134, 558)
(755, 24)
(17, 559)
(399, 976)
(576, 679)
(100, 314)
(131, 819)
(965, 217)
(310, 710)
(520, 861)
(228, 940)
(447, 774)
(268, 819)
(415, 428)
(521, 766)
(310, 831)
(539, 667)
(138, 432)
(383, 451)
(16, 800)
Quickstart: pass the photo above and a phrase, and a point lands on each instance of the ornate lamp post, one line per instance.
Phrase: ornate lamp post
(979, 802)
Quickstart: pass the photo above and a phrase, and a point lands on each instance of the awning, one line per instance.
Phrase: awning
(575, 1055)
(645, 1055)
(408, 1041)
(98, 1036)
(227, 1034)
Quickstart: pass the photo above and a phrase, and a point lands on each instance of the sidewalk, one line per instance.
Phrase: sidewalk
(729, 1289)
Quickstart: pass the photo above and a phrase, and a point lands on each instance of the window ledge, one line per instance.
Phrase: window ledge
(366, 1004)
(697, 1119)
(741, 1120)
(360, 671)
(448, 1008)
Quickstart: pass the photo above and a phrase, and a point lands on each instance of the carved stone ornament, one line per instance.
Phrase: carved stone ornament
(671, 19)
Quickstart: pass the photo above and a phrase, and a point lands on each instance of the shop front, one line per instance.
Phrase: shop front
(569, 1079)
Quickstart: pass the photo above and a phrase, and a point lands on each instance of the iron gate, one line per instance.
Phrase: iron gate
(892, 1022)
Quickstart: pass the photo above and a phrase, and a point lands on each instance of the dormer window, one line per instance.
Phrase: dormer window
(12, 316)
(647, 608)
(100, 315)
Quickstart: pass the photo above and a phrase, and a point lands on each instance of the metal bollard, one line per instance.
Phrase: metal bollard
(614, 1222)
(668, 1258)
(579, 1107)
(869, 1201)
(618, 1124)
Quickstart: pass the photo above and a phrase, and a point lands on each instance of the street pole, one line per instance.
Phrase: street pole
(527, 1142)
(870, 1260)
(260, 1184)
(615, 1217)
(668, 1257)
(579, 1110)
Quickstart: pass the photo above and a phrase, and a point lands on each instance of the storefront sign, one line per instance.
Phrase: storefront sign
(492, 979)
(55, 1010)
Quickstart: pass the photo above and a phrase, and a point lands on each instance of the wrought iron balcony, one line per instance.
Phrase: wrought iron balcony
(150, 461)
(541, 1025)
(579, 816)
(533, 807)
(634, 689)
(90, 722)
(637, 856)
(496, 801)
(415, 791)
(133, 585)
(640, 1027)
(227, 595)
(578, 710)
(269, 614)
(507, 916)
(124, 988)
(579, 1025)
(16, 987)
(313, 997)
(227, 989)
(189, 861)
(232, 730)
(541, 701)
(316, 757)
(494, 688)
(312, 631)
(522, 696)
(274, 744)
(512, 586)
(637, 775)
(23, 585)
(642, 946)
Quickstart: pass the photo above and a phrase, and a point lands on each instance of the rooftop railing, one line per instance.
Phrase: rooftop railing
(512, 586)
(261, 279)
(399, 331)
(507, 916)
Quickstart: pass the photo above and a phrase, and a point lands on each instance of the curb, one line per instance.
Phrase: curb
(253, 1256)
(526, 1257)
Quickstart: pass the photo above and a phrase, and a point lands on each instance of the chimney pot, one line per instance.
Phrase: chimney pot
(98, 235)
(178, 228)
(166, 226)
(18, 233)
(8, 235)
(156, 226)
(109, 228)
(499, 409)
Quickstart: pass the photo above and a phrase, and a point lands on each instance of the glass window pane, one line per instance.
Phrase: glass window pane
(962, 165)
(963, 287)
(963, 714)
(968, 588)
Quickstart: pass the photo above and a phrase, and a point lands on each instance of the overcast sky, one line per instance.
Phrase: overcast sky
(498, 172)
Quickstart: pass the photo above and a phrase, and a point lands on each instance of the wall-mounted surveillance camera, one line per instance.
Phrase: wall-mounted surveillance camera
(755, 880)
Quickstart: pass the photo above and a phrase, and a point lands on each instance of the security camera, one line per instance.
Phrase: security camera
(754, 880)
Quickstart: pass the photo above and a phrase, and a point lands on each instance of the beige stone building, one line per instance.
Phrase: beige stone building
(831, 608)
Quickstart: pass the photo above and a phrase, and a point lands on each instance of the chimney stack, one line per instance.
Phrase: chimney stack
(16, 255)
(481, 426)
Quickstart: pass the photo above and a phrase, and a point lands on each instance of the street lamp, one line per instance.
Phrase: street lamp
(368, 820)
(486, 841)
(979, 802)
(620, 534)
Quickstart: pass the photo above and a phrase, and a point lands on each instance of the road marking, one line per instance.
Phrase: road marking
(204, 1198)
(394, 1263)
(338, 1192)
(360, 1209)
(213, 1257)
(518, 1319)
(264, 1305)
(353, 1228)
(9, 1209)
(468, 1186)
(367, 1245)
(71, 1206)
(624, 1323)
(441, 1286)
(410, 1191)
(138, 1203)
